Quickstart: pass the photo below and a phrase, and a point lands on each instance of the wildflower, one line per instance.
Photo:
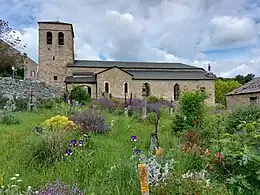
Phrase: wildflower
(73, 143)
(2, 186)
(81, 142)
(17, 175)
(86, 136)
(19, 180)
(68, 152)
(13, 186)
(134, 138)
(13, 178)
(29, 187)
(137, 151)
(207, 152)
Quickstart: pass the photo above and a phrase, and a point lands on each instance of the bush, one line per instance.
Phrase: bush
(79, 94)
(57, 123)
(9, 119)
(21, 104)
(248, 114)
(90, 121)
(107, 104)
(190, 112)
(3, 101)
(48, 148)
(154, 99)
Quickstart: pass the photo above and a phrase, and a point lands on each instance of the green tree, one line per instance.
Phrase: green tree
(9, 46)
(222, 88)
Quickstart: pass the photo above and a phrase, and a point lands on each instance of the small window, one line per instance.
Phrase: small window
(49, 38)
(253, 100)
(60, 38)
(106, 87)
(176, 91)
(126, 87)
(55, 78)
(53, 57)
(32, 73)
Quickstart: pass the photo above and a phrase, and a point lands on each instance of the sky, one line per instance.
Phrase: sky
(223, 33)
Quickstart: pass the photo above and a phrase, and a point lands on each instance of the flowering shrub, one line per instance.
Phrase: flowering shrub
(157, 171)
(90, 121)
(57, 187)
(107, 104)
(57, 123)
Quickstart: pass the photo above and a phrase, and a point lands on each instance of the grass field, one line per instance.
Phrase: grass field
(91, 170)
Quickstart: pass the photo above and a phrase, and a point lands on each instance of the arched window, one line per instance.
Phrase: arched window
(146, 89)
(126, 87)
(176, 91)
(49, 38)
(106, 87)
(60, 38)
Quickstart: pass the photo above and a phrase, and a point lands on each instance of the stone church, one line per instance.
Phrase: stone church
(58, 67)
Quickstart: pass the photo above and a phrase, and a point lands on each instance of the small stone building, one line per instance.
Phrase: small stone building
(248, 94)
(58, 67)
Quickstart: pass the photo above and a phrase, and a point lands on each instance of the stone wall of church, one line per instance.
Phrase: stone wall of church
(160, 88)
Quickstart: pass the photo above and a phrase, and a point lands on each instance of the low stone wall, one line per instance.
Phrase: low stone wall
(21, 89)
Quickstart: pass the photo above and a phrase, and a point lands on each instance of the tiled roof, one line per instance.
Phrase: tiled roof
(250, 87)
(137, 65)
(80, 79)
(170, 75)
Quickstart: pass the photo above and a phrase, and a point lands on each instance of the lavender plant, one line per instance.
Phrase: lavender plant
(90, 121)
(58, 188)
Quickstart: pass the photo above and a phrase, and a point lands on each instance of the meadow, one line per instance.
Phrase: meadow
(98, 152)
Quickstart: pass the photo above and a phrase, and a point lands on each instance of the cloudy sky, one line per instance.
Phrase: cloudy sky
(224, 33)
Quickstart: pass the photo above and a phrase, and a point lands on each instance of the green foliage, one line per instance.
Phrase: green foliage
(3, 101)
(248, 114)
(224, 87)
(179, 123)
(21, 104)
(47, 149)
(154, 99)
(242, 158)
(9, 119)
(80, 94)
(244, 79)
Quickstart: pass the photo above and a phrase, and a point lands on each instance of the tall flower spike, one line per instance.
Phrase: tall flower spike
(134, 138)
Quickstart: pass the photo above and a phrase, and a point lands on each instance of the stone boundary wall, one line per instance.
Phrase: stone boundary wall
(21, 89)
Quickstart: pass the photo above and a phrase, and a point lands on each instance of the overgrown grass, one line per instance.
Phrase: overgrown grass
(91, 169)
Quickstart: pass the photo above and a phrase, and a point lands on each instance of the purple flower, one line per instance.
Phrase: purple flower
(137, 151)
(134, 138)
(73, 143)
(68, 152)
(81, 142)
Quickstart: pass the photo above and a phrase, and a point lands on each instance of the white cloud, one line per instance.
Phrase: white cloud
(182, 29)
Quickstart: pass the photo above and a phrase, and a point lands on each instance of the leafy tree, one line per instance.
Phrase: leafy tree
(9, 46)
(222, 88)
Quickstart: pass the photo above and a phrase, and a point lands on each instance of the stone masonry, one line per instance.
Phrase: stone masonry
(21, 89)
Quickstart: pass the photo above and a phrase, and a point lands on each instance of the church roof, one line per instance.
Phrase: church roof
(252, 86)
(128, 65)
(169, 75)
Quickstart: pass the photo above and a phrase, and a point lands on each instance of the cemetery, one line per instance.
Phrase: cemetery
(72, 144)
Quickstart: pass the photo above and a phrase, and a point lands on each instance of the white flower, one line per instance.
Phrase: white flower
(13, 186)
(19, 180)
(17, 175)
(29, 187)
(13, 178)
(2, 186)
